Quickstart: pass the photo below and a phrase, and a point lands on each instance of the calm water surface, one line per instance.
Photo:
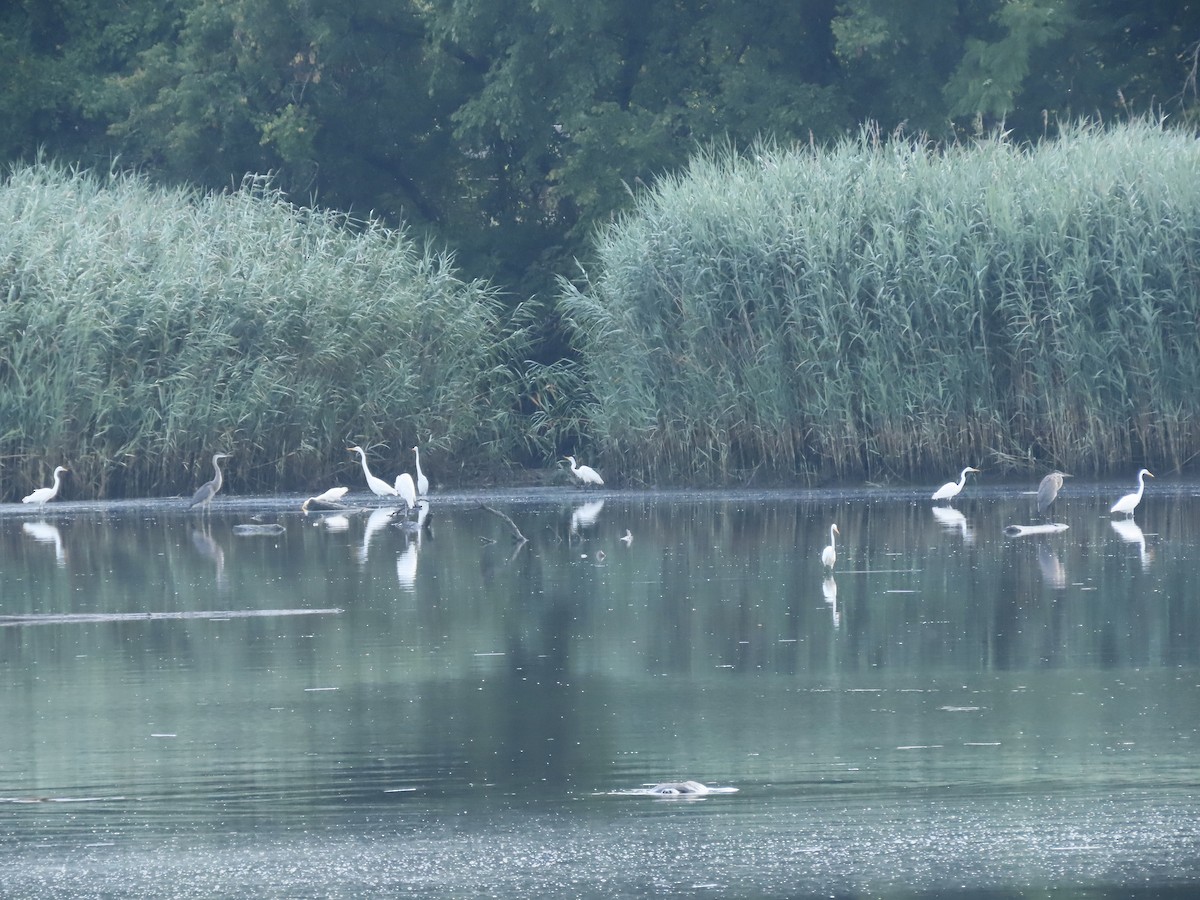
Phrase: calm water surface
(345, 709)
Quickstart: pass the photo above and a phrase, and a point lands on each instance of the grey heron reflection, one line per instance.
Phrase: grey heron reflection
(210, 549)
(1053, 571)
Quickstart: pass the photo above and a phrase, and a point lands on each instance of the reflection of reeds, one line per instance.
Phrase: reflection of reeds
(144, 327)
(890, 308)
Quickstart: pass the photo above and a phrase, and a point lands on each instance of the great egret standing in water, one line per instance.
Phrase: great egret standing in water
(951, 489)
(42, 495)
(829, 554)
(406, 490)
(422, 481)
(1129, 502)
(586, 474)
(208, 490)
(1048, 490)
(378, 486)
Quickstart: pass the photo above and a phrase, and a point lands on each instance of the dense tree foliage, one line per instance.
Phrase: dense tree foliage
(511, 128)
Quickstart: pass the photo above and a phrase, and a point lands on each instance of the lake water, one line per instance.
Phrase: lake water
(346, 709)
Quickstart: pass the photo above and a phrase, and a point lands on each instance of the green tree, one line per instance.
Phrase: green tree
(511, 128)
(55, 56)
(568, 107)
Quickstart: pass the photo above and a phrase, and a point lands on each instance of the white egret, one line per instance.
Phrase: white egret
(378, 486)
(42, 495)
(406, 490)
(586, 474)
(330, 499)
(333, 495)
(627, 538)
(1048, 490)
(951, 489)
(829, 554)
(208, 490)
(1129, 502)
(422, 481)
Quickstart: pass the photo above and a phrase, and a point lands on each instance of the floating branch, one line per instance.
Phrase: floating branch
(517, 536)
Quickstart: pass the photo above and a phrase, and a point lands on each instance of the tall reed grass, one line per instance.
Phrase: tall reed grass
(142, 329)
(891, 309)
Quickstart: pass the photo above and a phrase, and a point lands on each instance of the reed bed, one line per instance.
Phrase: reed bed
(142, 329)
(890, 309)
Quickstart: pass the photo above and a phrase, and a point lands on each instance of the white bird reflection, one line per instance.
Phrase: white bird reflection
(378, 519)
(336, 523)
(1052, 568)
(45, 533)
(829, 589)
(1131, 533)
(406, 566)
(406, 561)
(952, 520)
(585, 515)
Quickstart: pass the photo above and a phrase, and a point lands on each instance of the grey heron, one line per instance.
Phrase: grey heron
(1048, 490)
(208, 490)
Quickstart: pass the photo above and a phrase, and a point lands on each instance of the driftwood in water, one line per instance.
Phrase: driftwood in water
(517, 536)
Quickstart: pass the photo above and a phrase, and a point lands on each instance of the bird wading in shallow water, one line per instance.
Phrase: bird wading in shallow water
(829, 554)
(208, 490)
(586, 474)
(422, 481)
(46, 494)
(406, 490)
(378, 486)
(951, 489)
(1048, 490)
(1129, 502)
